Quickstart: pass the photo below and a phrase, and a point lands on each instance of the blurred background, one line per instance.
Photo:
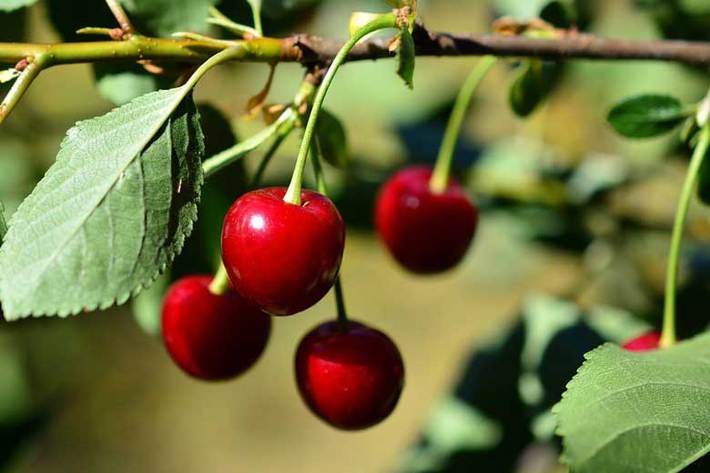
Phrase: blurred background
(575, 226)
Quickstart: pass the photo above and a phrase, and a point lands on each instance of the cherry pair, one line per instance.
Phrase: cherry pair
(349, 375)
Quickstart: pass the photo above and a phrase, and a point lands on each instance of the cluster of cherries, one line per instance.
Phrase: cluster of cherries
(281, 259)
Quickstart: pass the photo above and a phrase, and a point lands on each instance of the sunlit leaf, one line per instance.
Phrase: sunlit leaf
(645, 412)
(110, 214)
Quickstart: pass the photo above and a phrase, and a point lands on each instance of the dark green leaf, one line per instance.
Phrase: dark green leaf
(9, 5)
(406, 57)
(704, 181)
(110, 214)
(532, 85)
(331, 139)
(559, 13)
(645, 412)
(164, 17)
(645, 116)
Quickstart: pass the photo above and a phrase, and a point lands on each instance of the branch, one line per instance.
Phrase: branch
(310, 50)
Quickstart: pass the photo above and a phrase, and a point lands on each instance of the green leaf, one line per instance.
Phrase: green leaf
(640, 412)
(110, 214)
(331, 140)
(121, 83)
(164, 17)
(704, 181)
(406, 57)
(148, 305)
(645, 116)
(9, 5)
(532, 85)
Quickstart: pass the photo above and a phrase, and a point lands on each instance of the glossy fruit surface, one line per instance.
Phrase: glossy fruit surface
(645, 342)
(212, 337)
(351, 379)
(282, 257)
(426, 232)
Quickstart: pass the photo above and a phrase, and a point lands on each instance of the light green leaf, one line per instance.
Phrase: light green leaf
(406, 57)
(148, 305)
(9, 5)
(645, 116)
(638, 412)
(331, 139)
(110, 214)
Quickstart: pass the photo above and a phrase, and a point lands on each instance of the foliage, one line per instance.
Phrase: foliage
(638, 412)
(81, 243)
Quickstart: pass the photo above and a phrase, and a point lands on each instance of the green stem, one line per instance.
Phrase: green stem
(293, 194)
(668, 336)
(220, 281)
(241, 149)
(282, 133)
(440, 177)
(256, 14)
(20, 86)
(322, 187)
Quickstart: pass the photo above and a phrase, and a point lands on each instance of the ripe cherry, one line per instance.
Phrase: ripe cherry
(645, 342)
(350, 378)
(209, 336)
(426, 232)
(282, 257)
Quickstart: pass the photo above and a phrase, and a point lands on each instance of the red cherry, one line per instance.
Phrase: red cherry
(351, 379)
(426, 232)
(209, 336)
(282, 257)
(645, 342)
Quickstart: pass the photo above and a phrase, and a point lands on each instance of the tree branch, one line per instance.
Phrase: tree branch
(310, 50)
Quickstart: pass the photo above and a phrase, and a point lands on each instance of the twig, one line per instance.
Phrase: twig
(312, 50)
(20, 86)
(120, 14)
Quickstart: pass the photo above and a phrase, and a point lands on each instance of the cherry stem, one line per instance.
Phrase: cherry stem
(385, 21)
(442, 169)
(668, 335)
(220, 282)
(322, 187)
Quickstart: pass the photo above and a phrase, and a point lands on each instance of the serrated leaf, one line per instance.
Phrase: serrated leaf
(532, 85)
(331, 140)
(645, 116)
(638, 412)
(110, 214)
(406, 57)
(9, 5)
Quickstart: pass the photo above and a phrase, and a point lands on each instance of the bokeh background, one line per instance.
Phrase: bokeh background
(570, 212)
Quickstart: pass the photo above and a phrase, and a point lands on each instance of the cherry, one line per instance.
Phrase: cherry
(426, 232)
(350, 378)
(209, 336)
(645, 342)
(282, 257)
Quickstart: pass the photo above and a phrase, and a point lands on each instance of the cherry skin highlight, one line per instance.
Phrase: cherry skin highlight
(282, 257)
(351, 379)
(647, 341)
(426, 232)
(212, 337)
